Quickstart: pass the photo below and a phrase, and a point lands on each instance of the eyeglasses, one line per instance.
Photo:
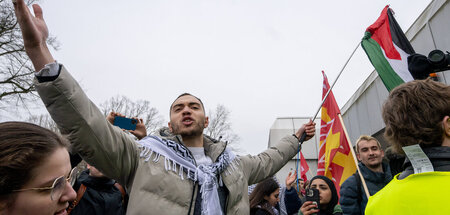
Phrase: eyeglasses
(58, 185)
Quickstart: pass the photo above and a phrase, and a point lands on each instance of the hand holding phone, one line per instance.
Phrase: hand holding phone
(312, 195)
(125, 123)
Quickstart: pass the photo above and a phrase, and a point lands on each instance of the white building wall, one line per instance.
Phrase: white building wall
(287, 126)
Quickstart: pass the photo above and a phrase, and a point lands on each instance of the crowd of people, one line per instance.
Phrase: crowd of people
(180, 170)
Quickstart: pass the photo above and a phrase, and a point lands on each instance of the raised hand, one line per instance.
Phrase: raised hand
(140, 131)
(34, 33)
(111, 116)
(290, 179)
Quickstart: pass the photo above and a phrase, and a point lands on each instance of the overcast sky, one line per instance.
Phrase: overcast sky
(262, 59)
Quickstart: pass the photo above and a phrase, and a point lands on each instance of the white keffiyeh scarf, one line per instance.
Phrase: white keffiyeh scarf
(179, 160)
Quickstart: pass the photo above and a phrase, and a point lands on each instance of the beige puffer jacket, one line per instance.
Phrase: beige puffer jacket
(153, 190)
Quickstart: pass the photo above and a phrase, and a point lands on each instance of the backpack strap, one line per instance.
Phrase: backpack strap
(122, 191)
(80, 194)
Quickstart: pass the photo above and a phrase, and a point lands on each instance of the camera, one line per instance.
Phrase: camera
(421, 66)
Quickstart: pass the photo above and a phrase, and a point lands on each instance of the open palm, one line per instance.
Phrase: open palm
(34, 29)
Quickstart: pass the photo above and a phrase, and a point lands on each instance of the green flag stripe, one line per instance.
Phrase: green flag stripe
(373, 50)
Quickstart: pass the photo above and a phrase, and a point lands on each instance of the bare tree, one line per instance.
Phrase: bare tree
(219, 127)
(16, 70)
(139, 109)
(45, 121)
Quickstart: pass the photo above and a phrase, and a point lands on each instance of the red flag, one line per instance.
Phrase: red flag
(303, 167)
(335, 158)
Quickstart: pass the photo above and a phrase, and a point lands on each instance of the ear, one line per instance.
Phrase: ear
(446, 123)
(206, 122)
(170, 127)
(266, 197)
(357, 156)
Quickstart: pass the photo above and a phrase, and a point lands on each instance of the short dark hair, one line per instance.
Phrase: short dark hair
(413, 113)
(186, 94)
(23, 147)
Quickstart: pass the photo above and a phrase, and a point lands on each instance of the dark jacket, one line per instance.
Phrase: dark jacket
(292, 201)
(264, 209)
(439, 157)
(349, 190)
(100, 197)
(260, 211)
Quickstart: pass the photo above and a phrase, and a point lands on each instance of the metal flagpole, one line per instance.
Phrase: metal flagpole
(302, 138)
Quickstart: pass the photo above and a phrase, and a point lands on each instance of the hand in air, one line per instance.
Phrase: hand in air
(34, 29)
(34, 33)
(290, 179)
(140, 131)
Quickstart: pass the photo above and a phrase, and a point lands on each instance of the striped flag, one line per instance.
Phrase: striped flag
(388, 49)
(335, 157)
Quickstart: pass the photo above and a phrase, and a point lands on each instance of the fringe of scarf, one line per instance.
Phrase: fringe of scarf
(177, 159)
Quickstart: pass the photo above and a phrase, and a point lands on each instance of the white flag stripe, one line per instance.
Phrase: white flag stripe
(400, 66)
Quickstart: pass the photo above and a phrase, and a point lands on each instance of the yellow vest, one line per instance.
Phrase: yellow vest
(423, 193)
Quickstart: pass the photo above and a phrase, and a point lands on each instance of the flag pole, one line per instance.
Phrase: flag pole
(354, 157)
(303, 137)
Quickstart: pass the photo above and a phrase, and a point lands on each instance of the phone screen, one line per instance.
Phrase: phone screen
(125, 123)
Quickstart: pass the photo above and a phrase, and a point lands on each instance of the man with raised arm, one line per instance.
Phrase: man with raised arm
(180, 171)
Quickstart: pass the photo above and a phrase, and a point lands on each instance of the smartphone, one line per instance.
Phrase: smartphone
(125, 123)
(312, 194)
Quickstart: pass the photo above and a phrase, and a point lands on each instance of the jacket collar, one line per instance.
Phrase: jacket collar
(376, 176)
(213, 148)
(439, 157)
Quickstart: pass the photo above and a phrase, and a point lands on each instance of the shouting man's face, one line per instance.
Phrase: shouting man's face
(187, 117)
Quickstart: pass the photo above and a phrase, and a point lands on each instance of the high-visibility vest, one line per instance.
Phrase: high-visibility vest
(423, 193)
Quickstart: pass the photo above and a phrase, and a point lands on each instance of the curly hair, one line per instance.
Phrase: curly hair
(413, 114)
(23, 147)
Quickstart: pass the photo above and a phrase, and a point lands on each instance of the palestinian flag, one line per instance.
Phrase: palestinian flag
(388, 49)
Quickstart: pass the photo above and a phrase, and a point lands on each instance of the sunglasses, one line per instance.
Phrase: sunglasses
(58, 185)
